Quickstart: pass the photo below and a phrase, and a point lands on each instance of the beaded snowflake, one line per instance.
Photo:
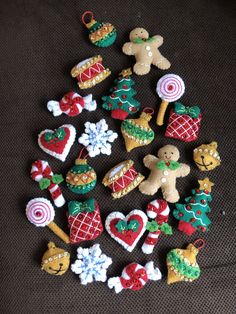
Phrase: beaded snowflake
(97, 137)
(91, 264)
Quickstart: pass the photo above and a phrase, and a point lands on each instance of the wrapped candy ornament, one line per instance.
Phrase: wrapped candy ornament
(42, 173)
(206, 156)
(182, 264)
(137, 132)
(192, 215)
(100, 34)
(134, 277)
(55, 261)
(72, 104)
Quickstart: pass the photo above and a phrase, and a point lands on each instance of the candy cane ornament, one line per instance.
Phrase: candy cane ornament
(159, 211)
(134, 276)
(42, 173)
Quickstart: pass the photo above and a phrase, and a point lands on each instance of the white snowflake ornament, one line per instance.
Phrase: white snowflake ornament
(91, 265)
(97, 137)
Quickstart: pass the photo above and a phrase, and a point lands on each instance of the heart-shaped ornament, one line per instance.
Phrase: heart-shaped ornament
(126, 230)
(57, 143)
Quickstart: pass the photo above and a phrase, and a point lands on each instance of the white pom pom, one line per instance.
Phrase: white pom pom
(115, 283)
(153, 273)
(54, 107)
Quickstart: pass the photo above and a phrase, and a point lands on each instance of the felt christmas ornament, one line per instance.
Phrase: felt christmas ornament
(165, 168)
(122, 178)
(126, 230)
(90, 72)
(97, 138)
(146, 52)
(182, 264)
(206, 156)
(184, 123)
(72, 104)
(134, 277)
(192, 215)
(158, 211)
(84, 220)
(137, 132)
(42, 173)
(91, 264)
(55, 261)
(100, 34)
(40, 213)
(170, 87)
(121, 100)
(57, 143)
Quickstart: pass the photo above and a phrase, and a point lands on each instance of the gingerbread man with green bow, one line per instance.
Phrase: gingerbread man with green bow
(165, 168)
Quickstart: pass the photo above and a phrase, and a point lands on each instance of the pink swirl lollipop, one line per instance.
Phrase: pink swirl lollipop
(170, 88)
(40, 212)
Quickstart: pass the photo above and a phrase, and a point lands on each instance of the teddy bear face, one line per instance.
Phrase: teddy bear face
(138, 33)
(168, 152)
(206, 156)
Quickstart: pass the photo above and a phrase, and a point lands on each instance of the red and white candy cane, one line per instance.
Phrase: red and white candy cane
(134, 276)
(159, 211)
(40, 170)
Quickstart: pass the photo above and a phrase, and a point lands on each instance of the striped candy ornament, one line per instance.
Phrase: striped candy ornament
(159, 211)
(41, 170)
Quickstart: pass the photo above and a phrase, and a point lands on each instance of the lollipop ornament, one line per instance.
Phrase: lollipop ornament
(170, 88)
(40, 212)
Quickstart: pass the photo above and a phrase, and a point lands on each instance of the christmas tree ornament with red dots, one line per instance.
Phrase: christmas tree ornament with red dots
(121, 100)
(192, 216)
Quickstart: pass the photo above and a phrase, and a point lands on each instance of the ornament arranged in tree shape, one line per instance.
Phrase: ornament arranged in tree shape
(192, 216)
(121, 101)
(137, 132)
(182, 264)
(81, 178)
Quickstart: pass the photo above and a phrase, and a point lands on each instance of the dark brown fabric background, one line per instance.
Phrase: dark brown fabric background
(40, 42)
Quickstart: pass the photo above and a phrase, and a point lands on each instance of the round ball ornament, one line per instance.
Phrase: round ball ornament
(81, 178)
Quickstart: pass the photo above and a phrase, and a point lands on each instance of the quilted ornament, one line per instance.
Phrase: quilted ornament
(84, 220)
(122, 178)
(57, 143)
(100, 34)
(126, 230)
(90, 72)
(184, 123)
(134, 277)
(72, 104)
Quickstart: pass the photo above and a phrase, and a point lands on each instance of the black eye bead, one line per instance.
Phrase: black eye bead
(60, 264)
(50, 267)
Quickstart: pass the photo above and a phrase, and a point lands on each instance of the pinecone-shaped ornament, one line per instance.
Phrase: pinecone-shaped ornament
(81, 178)
(182, 264)
(137, 132)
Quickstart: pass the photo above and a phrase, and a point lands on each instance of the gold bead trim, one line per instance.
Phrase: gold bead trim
(127, 165)
(101, 32)
(78, 70)
(129, 187)
(95, 80)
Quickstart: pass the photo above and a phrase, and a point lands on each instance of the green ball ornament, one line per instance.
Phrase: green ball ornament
(81, 178)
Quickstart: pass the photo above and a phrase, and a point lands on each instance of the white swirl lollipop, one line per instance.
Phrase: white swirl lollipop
(170, 87)
(40, 212)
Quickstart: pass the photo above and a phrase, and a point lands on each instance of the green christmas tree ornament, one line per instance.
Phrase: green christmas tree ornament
(121, 101)
(100, 34)
(81, 178)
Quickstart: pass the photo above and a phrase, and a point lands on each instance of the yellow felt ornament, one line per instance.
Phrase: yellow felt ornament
(182, 264)
(55, 261)
(206, 156)
(137, 132)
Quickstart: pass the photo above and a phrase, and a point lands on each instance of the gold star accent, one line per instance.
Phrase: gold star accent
(126, 72)
(205, 184)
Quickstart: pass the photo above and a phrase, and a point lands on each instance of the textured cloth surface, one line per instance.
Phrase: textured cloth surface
(41, 41)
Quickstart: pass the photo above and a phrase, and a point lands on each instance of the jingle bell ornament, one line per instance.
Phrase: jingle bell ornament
(81, 178)
(182, 264)
(100, 34)
(137, 132)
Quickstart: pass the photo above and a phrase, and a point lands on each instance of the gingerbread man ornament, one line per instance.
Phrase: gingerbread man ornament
(165, 168)
(145, 50)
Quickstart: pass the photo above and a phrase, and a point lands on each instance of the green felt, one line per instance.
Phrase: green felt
(76, 207)
(136, 131)
(193, 111)
(163, 166)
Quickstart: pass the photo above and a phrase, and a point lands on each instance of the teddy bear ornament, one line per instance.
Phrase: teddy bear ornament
(146, 52)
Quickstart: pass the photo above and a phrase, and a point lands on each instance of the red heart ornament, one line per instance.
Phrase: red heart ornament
(57, 143)
(127, 238)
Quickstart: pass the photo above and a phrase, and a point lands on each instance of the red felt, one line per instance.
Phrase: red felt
(119, 114)
(90, 72)
(128, 236)
(55, 145)
(186, 227)
(134, 283)
(70, 103)
(124, 181)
